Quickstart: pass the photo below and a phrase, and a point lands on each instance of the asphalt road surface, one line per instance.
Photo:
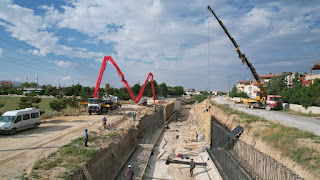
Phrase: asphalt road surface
(310, 124)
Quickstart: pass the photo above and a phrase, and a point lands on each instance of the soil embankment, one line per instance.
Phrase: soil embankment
(251, 136)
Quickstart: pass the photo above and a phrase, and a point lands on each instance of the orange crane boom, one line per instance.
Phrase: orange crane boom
(241, 56)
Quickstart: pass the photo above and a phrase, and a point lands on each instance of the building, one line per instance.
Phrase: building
(192, 92)
(32, 89)
(6, 83)
(311, 77)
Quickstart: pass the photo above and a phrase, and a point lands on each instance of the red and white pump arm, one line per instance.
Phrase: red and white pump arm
(103, 67)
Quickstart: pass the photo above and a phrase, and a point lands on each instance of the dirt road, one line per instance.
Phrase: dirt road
(19, 152)
(304, 123)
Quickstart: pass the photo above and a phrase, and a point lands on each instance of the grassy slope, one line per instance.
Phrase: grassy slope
(283, 138)
(11, 103)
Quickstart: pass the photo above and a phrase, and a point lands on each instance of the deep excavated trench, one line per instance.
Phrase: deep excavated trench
(237, 160)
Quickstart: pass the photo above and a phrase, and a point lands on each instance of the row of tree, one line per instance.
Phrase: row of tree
(295, 93)
(86, 92)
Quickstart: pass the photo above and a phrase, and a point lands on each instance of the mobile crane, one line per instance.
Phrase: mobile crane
(262, 99)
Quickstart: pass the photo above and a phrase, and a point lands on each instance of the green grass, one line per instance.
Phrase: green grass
(248, 118)
(300, 113)
(12, 103)
(71, 155)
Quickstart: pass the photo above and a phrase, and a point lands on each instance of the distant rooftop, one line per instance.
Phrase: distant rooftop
(316, 66)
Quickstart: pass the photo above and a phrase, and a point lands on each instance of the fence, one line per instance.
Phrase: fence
(236, 159)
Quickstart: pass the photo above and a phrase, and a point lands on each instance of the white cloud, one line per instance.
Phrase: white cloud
(64, 63)
(1, 51)
(66, 78)
(170, 38)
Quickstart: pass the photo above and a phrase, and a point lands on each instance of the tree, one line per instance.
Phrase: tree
(305, 97)
(296, 88)
(27, 102)
(76, 89)
(123, 93)
(51, 90)
(315, 92)
(108, 89)
(148, 89)
(276, 85)
(84, 93)
(73, 102)
(68, 91)
(163, 89)
(234, 91)
(136, 89)
(57, 104)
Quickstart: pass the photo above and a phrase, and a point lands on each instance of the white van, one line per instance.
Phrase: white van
(13, 121)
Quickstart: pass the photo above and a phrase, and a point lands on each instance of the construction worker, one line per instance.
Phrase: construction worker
(104, 121)
(133, 115)
(192, 166)
(86, 137)
(129, 173)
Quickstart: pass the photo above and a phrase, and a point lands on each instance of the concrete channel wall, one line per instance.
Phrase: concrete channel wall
(227, 153)
(107, 163)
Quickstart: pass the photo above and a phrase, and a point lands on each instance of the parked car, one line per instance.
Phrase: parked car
(14, 121)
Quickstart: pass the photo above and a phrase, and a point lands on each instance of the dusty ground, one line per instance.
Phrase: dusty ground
(18, 153)
(180, 138)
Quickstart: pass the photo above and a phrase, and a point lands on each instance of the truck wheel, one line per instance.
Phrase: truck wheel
(13, 131)
(89, 112)
(36, 125)
(268, 107)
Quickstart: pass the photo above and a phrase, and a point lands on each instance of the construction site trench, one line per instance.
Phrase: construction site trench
(142, 144)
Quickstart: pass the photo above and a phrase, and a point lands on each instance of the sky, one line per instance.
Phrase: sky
(180, 42)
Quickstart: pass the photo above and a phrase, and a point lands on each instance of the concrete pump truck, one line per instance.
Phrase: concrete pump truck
(262, 99)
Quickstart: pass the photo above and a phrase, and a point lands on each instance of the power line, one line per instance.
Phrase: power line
(68, 70)
(29, 40)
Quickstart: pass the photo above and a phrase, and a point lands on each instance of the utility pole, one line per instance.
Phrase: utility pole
(209, 54)
(229, 77)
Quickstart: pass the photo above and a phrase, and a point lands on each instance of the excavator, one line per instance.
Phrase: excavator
(262, 100)
(111, 102)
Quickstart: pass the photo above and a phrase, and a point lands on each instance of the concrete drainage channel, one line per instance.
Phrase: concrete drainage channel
(139, 158)
(236, 159)
(107, 163)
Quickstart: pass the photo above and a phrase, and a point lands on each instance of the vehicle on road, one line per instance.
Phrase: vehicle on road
(99, 106)
(14, 121)
(143, 101)
(262, 100)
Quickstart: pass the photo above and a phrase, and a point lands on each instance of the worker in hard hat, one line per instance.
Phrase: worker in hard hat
(129, 173)
(86, 137)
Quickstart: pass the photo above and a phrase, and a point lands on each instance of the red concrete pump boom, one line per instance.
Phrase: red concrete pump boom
(103, 67)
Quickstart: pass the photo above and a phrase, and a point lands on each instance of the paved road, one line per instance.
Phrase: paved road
(304, 123)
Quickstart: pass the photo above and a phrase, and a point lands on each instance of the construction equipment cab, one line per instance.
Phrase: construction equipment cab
(13, 121)
(94, 105)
